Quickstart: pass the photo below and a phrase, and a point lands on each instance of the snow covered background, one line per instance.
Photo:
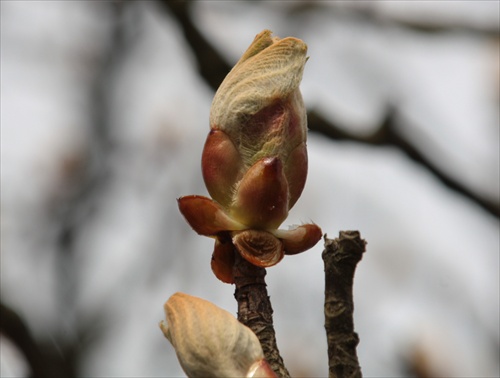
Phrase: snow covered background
(103, 118)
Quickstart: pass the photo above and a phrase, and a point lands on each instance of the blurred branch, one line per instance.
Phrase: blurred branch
(341, 255)
(255, 310)
(430, 25)
(213, 68)
(41, 362)
(370, 11)
(82, 179)
(78, 207)
(386, 135)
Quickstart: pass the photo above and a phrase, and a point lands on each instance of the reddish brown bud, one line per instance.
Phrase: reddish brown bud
(254, 161)
(223, 261)
(258, 114)
(299, 239)
(259, 247)
(261, 199)
(221, 166)
(205, 216)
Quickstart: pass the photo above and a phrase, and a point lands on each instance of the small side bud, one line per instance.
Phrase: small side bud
(261, 198)
(205, 216)
(209, 341)
(260, 248)
(300, 238)
(221, 166)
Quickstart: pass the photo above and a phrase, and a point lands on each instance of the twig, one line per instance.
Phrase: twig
(341, 256)
(211, 66)
(387, 134)
(14, 327)
(255, 310)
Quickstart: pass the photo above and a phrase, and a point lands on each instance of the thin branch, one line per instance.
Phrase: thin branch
(255, 310)
(41, 361)
(340, 257)
(387, 135)
(13, 327)
(212, 67)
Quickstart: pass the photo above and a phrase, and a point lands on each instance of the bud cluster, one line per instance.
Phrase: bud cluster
(254, 161)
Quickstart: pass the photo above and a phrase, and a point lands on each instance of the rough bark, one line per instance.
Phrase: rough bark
(255, 310)
(340, 256)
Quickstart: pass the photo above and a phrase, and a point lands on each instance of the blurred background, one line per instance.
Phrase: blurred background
(104, 112)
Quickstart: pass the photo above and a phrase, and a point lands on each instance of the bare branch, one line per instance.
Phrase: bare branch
(341, 255)
(255, 310)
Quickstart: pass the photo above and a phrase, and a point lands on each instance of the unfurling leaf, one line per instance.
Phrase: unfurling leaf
(254, 161)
